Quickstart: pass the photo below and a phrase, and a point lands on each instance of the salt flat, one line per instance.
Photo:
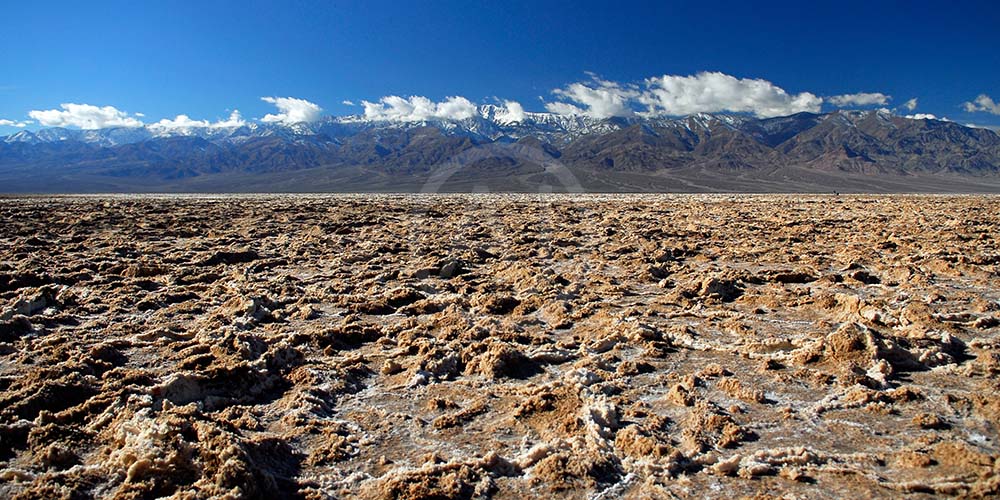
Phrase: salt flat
(499, 346)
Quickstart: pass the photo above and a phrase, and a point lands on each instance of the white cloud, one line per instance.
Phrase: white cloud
(13, 123)
(418, 108)
(347, 102)
(927, 116)
(183, 121)
(671, 95)
(995, 128)
(983, 103)
(456, 108)
(512, 112)
(84, 116)
(562, 108)
(140, 115)
(911, 104)
(712, 92)
(292, 110)
(860, 99)
(235, 120)
(599, 98)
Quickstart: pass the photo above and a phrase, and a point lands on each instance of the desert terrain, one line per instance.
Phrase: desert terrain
(500, 346)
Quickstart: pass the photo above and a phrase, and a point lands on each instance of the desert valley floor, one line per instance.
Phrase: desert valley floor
(500, 346)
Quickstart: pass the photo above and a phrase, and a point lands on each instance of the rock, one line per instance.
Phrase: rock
(496, 304)
(854, 345)
(450, 269)
(256, 309)
(929, 421)
(557, 315)
(725, 290)
(500, 360)
(680, 395)
(864, 277)
(229, 257)
(735, 389)
(31, 303)
(727, 466)
(391, 367)
(11, 329)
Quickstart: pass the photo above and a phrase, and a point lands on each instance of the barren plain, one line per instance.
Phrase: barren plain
(500, 346)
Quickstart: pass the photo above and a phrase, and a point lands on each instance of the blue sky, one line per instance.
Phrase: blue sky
(156, 60)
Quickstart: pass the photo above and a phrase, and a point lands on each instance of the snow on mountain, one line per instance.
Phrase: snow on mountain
(22, 136)
(492, 122)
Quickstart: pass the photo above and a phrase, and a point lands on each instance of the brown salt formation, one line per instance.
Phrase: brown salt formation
(499, 346)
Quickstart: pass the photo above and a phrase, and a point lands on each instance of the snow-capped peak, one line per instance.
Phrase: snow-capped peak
(491, 121)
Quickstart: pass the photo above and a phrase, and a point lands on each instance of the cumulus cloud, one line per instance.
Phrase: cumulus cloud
(712, 92)
(235, 120)
(598, 98)
(512, 112)
(983, 103)
(84, 116)
(418, 108)
(347, 102)
(13, 123)
(456, 108)
(183, 121)
(672, 95)
(860, 99)
(911, 104)
(292, 110)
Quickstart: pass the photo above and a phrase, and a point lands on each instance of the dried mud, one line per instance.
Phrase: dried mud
(499, 347)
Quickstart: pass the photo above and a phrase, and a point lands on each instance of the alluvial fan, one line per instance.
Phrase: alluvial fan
(499, 346)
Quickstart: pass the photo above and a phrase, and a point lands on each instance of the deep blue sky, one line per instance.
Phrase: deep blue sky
(202, 58)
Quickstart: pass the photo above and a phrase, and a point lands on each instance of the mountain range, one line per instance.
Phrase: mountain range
(846, 151)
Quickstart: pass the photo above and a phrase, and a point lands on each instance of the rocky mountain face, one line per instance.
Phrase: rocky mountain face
(701, 152)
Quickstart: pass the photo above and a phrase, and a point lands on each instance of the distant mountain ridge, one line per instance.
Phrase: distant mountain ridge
(852, 150)
(491, 122)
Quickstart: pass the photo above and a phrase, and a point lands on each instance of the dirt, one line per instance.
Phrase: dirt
(499, 346)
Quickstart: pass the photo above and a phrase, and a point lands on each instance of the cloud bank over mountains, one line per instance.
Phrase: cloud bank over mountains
(595, 97)
(715, 92)
(89, 117)
(292, 110)
(84, 116)
(672, 95)
(418, 108)
(183, 121)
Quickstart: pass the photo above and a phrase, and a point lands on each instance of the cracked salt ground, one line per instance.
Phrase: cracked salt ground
(499, 346)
